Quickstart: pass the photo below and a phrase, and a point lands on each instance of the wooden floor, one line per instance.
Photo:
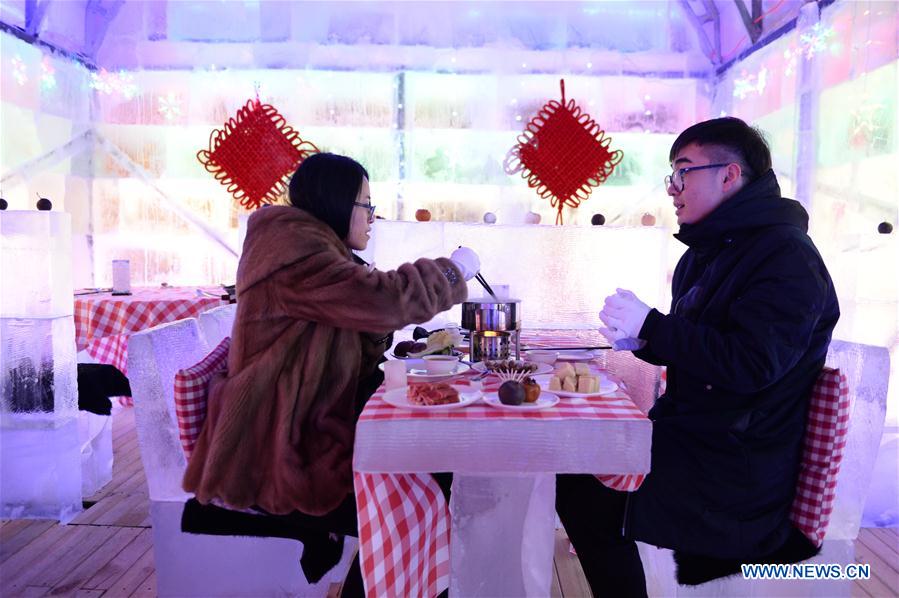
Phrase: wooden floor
(108, 549)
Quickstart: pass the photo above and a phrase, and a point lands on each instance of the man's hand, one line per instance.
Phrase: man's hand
(623, 314)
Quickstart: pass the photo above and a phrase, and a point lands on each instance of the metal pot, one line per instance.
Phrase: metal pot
(491, 314)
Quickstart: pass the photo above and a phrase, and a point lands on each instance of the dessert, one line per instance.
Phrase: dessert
(587, 384)
(531, 390)
(577, 378)
(511, 393)
(565, 370)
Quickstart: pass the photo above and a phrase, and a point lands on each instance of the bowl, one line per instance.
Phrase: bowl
(440, 364)
(549, 357)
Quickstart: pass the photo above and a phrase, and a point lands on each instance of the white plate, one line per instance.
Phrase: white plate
(544, 401)
(575, 355)
(398, 397)
(416, 372)
(606, 387)
(542, 368)
(395, 356)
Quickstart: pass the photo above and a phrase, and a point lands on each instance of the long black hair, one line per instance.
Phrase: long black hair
(326, 185)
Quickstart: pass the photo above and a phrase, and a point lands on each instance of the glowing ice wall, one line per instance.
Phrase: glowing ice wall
(825, 94)
(44, 104)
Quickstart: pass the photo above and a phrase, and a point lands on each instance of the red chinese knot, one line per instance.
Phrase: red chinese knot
(254, 154)
(563, 153)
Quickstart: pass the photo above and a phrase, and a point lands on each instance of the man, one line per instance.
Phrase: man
(752, 312)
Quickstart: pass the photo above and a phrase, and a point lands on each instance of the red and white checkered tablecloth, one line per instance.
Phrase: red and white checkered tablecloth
(404, 520)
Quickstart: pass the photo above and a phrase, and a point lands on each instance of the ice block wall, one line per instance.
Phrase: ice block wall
(40, 455)
(561, 274)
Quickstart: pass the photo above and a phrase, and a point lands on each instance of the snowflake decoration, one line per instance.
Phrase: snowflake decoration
(751, 84)
(48, 74)
(120, 83)
(170, 106)
(19, 70)
(815, 41)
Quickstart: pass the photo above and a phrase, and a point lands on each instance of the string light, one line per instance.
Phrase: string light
(120, 83)
(48, 74)
(751, 84)
(19, 70)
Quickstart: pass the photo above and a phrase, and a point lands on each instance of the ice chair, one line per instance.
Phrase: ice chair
(867, 370)
(641, 379)
(191, 564)
(216, 323)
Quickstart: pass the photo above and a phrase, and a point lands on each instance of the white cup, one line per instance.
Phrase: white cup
(394, 374)
(121, 277)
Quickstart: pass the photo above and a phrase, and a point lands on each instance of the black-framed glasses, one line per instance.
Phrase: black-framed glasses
(371, 209)
(676, 178)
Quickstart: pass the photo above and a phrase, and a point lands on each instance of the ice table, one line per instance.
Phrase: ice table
(504, 465)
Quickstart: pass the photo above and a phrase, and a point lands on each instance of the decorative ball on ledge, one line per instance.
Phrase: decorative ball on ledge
(598, 220)
(44, 204)
(884, 228)
(648, 219)
(3, 204)
(490, 218)
(532, 218)
(423, 215)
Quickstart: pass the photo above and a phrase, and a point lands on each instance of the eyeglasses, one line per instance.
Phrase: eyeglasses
(369, 207)
(676, 178)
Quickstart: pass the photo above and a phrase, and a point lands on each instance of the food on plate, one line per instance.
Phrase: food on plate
(565, 370)
(439, 393)
(511, 393)
(574, 379)
(531, 390)
(587, 384)
(402, 348)
(440, 342)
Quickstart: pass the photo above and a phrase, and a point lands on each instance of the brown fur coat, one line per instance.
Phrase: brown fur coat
(280, 428)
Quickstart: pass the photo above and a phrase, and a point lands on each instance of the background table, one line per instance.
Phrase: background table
(103, 321)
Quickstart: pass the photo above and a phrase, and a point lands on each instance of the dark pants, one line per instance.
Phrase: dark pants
(593, 516)
(344, 520)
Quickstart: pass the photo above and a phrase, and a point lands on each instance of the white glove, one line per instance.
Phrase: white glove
(467, 261)
(624, 314)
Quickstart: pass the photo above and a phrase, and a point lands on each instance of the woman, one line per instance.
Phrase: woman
(311, 325)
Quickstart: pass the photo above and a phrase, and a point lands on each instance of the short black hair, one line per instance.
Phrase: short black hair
(326, 185)
(734, 140)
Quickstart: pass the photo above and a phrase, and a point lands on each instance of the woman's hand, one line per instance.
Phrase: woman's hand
(467, 261)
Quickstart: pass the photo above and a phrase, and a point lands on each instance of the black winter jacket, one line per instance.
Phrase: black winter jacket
(753, 308)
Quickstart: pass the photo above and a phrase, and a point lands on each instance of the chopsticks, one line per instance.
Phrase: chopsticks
(484, 284)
